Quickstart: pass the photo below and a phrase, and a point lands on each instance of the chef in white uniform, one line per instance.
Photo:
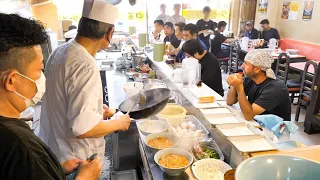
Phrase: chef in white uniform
(71, 122)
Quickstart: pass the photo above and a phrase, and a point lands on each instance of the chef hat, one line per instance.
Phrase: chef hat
(100, 10)
(262, 59)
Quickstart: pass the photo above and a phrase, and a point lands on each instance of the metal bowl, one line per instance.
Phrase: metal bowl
(163, 134)
(173, 171)
(277, 167)
(140, 76)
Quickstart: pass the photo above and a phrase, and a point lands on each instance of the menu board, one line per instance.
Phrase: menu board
(307, 10)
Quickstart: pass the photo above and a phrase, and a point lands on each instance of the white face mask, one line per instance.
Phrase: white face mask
(41, 88)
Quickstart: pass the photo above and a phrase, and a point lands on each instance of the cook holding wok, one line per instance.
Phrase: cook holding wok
(72, 114)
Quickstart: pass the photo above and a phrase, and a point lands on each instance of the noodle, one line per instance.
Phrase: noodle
(160, 143)
(173, 161)
(209, 172)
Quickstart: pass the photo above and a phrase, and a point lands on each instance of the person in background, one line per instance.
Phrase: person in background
(72, 114)
(163, 16)
(158, 33)
(269, 32)
(22, 154)
(217, 41)
(251, 32)
(206, 27)
(266, 94)
(72, 33)
(190, 31)
(176, 18)
(170, 35)
(210, 70)
(179, 34)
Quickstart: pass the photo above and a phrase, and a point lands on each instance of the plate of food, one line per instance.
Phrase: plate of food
(210, 169)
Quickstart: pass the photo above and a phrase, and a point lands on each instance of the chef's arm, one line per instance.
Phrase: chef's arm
(103, 128)
(232, 96)
(248, 110)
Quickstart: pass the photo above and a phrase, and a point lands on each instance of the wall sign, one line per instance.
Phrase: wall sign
(307, 10)
(192, 14)
(263, 7)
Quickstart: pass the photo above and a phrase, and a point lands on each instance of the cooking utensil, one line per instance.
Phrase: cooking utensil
(156, 99)
(142, 100)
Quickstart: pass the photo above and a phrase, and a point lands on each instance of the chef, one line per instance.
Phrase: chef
(72, 114)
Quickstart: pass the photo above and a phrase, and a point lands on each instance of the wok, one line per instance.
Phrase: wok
(156, 100)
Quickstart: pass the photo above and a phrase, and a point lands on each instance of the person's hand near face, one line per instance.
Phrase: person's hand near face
(236, 81)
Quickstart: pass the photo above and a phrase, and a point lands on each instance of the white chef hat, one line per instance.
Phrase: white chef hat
(100, 10)
(262, 59)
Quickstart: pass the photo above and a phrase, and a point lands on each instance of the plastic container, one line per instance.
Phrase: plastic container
(211, 144)
(186, 141)
(124, 175)
(172, 111)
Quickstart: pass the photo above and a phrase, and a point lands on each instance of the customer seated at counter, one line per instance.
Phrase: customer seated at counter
(266, 94)
(269, 32)
(170, 35)
(190, 31)
(158, 33)
(251, 32)
(210, 70)
(22, 154)
(217, 41)
(178, 32)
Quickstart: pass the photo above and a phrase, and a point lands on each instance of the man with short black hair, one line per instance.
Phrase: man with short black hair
(251, 32)
(176, 18)
(178, 30)
(22, 154)
(72, 115)
(217, 41)
(190, 31)
(163, 16)
(158, 33)
(210, 70)
(206, 26)
(269, 32)
(170, 35)
(266, 94)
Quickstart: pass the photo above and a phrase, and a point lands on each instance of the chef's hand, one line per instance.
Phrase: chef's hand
(123, 122)
(236, 81)
(90, 170)
(71, 165)
(108, 112)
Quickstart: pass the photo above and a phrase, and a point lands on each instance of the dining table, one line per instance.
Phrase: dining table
(299, 67)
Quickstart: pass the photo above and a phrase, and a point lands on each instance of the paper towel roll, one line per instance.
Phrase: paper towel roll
(158, 51)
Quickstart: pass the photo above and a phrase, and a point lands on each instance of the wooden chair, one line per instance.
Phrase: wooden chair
(282, 71)
(307, 85)
(234, 60)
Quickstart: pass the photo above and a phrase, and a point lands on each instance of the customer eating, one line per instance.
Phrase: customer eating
(72, 116)
(210, 70)
(170, 35)
(269, 32)
(23, 155)
(218, 39)
(266, 94)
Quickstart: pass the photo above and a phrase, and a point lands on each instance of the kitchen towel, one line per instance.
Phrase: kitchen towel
(288, 126)
(268, 121)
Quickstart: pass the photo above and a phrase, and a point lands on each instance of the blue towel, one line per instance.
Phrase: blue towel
(288, 126)
(268, 121)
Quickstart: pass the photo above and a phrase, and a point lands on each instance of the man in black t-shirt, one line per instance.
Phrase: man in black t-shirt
(217, 41)
(170, 35)
(206, 27)
(22, 154)
(210, 70)
(269, 32)
(266, 94)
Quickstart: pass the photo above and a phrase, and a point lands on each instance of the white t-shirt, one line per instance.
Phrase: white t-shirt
(72, 103)
(174, 20)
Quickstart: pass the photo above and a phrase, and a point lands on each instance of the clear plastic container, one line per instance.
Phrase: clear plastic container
(195, 131)
(210, 144)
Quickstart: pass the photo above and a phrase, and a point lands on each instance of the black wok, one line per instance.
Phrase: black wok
(156, 100)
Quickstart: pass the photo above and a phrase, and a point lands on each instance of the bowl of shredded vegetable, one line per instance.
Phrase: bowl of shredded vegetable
(210, 169)
(173, 161)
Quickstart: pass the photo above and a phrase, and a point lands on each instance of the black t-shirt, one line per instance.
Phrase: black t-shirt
(272, 95)
(272, 33)
(174, 40)
(23, 155)
(217, 42)
(211, 73)
(254, 34)
(203, 25)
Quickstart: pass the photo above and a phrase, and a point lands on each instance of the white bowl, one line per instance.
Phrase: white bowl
(173, 171)
(163, 134)
(132, 88)
(152, 126)
(292, 51)
(214, 163)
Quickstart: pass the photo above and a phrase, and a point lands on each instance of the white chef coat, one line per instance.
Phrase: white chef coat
(72, 103)
(174, 20)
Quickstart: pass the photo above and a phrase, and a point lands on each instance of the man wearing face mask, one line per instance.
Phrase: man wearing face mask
(22, 154)
(72, 114)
